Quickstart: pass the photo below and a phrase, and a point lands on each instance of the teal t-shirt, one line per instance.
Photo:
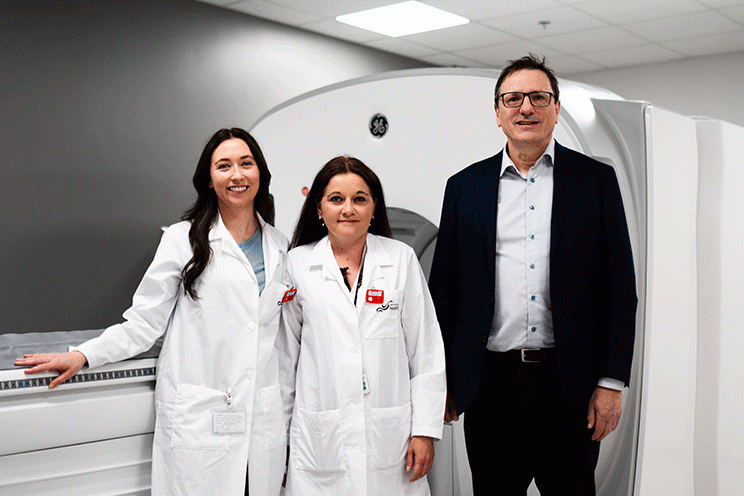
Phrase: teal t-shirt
(253, 250)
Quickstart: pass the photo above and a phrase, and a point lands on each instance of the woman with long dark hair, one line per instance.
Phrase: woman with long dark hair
(213, 289)
(361, 355)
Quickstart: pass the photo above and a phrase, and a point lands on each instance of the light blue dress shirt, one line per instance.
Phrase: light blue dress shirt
(522, 314)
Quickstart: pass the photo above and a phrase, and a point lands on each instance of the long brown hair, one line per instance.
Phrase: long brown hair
(308, 227)
(203, 213)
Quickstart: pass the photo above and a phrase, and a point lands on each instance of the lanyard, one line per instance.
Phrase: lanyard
(344, 270)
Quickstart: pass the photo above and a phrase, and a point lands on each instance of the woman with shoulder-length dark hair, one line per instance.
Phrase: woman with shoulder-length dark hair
(212, 289)
(361, 355)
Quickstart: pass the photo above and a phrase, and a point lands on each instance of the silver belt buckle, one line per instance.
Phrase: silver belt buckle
(524, 359)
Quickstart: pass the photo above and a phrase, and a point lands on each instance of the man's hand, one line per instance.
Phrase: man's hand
(605, 408)
(420, 456)
(450, 409)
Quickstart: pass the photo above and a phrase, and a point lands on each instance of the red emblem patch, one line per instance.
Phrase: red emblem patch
(289, 295)
(375, 296)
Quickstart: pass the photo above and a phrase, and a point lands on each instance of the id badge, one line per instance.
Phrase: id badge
(375, 296)
(229, 422)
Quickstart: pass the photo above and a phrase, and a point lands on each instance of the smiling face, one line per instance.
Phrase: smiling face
(234, 175)
(527, 126)
(347, 208)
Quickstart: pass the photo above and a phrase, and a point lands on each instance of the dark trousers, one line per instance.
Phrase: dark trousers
(520, 427)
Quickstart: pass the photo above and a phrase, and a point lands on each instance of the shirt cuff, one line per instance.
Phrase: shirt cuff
(607, 382)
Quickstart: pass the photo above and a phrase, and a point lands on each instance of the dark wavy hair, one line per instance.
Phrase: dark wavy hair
(203, 213)
(530, 62)
(309, 229)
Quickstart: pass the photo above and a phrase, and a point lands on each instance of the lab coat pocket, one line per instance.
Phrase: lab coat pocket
(318, 440)
(390, 433)
(383, 319)
(270, 420)
(192, 419)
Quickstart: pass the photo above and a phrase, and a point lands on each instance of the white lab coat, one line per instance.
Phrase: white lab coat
(222, 342)
(343, 441)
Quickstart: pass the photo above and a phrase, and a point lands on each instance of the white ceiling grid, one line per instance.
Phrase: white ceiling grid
(582, 35)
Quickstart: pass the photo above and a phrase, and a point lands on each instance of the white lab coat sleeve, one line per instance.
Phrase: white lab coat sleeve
(288, 342)
(425, 351)
(152, 304)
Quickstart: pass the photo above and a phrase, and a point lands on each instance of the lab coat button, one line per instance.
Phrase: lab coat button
(357, 399)
(250, 374)
(252, 326)
(353, 349)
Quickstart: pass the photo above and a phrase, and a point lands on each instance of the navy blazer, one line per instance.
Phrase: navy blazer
(592, 280)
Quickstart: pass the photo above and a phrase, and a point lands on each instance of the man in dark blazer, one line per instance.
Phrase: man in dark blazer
(534, 287)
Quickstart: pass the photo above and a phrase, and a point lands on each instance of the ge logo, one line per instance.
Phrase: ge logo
(378, 125)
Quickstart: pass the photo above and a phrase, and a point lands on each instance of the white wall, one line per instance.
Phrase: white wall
(710, 86)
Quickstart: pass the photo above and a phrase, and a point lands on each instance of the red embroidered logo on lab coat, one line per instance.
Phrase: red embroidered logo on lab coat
(375, 296)
(289, 295)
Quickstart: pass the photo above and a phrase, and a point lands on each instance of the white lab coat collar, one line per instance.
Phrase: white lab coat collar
(273, 248)
(375, 258)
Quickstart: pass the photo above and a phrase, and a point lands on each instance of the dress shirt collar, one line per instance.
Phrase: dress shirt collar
(546, 158)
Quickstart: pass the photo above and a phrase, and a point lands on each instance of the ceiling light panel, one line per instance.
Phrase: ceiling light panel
(402, 19)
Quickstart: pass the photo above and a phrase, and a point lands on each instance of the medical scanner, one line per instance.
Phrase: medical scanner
(680, 179)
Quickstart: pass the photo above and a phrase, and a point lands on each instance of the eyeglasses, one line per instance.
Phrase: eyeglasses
(514, 99)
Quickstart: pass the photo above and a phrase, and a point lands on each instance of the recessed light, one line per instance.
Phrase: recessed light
(403, 18)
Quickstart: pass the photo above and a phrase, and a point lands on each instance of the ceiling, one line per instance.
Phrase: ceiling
(581, 36)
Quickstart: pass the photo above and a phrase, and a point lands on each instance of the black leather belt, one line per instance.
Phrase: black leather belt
(531, 355)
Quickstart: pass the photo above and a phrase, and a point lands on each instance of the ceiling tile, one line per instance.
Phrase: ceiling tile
(402, 47)
(562, 20)
(332, 27)
(593, 40)
(565, 65)
(277, 13)
(684, 26)
(720, 3)
(477, 11)
(499, 55)
(626, 11)
(460, 37)
(709, 45)
(641, 55)
(325, 8)
(734, 13)
(450, 60)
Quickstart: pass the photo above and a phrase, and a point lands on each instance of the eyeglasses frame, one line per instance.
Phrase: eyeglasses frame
(528, 95)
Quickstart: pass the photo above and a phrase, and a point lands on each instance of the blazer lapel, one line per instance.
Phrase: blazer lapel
(566, 175)
(486, 195)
